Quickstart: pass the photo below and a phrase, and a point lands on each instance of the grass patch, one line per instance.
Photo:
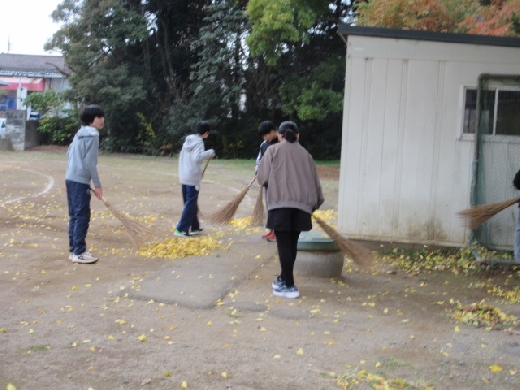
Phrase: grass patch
(38, 348)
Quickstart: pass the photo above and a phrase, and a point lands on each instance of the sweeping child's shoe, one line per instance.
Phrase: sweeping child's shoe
(271, 236)
(286, 292)
(84, 258)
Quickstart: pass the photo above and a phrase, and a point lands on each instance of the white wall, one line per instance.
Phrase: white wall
(405, 167)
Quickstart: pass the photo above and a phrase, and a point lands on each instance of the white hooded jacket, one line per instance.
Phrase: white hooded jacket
(191, 158)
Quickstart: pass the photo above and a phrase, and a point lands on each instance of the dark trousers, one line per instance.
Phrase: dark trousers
(189, 219)
(78, 198)
(287, 243)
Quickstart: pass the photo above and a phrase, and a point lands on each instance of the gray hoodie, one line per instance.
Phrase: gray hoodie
(83, 157)
(191, 158)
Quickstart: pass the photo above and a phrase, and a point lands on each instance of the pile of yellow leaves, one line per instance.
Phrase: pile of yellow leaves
(481, 314)
(433, 260)
(346, 381)
(174, 248)
(512, 295)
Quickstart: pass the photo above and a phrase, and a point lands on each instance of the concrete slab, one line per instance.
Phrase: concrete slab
(200, 281)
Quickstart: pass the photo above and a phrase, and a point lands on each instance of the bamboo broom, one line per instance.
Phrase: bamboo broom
(226, 214)
(139, 233)
(258, 212)
(476, 216)
(358, 253)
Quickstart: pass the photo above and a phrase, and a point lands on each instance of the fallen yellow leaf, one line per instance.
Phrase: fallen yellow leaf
(495, 368)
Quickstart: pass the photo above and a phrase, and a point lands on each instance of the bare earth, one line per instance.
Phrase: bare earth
(68, 326)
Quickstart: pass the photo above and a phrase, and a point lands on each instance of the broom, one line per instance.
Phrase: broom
(226, 214)
(199, 214)
(476, 216)
(258, 212)
(139, 233)
(358, 253)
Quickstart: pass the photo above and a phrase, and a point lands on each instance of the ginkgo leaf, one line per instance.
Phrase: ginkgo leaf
(495, 368)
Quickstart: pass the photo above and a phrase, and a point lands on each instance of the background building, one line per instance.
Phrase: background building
(25, 74)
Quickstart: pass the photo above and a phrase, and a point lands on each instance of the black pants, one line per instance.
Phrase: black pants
(287, 243)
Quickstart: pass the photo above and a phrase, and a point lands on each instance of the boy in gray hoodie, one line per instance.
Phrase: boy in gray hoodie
(81, 170)
(190, 175)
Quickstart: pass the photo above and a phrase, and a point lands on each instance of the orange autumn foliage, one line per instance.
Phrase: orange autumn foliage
(497, 17)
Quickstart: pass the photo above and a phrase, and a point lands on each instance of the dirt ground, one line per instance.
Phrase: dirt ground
(69, 326)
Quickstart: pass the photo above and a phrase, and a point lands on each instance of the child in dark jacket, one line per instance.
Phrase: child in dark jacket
(267, 130)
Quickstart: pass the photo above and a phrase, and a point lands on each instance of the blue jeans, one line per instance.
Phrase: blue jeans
(78, 198)
(189, 219)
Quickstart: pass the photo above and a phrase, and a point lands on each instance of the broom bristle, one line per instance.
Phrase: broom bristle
(476, 216)
(227, 213)
(139, 233)
(258, 212)
(358, 253)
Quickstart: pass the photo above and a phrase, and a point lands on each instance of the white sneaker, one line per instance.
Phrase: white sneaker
(84, 258)
(70, 255)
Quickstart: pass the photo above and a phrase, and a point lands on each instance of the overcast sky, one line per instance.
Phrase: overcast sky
(27, 25)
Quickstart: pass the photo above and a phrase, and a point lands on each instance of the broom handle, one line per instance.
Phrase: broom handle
(102, 198)
(251, 183)
(206, 166)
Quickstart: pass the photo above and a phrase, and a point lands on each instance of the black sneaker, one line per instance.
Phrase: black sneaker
(181, 234)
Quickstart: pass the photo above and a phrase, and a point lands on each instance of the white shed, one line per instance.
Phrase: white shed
(411, 123)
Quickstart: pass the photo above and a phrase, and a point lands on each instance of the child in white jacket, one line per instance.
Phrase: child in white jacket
(190, 174)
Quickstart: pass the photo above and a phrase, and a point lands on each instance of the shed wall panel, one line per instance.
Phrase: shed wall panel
(406, 169)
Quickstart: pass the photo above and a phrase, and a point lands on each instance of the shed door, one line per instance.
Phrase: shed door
(498, 156)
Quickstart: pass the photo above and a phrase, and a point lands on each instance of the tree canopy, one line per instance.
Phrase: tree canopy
(490, 17)
(159, 66)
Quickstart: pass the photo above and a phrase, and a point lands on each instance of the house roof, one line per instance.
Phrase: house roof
(24, 65)
(489, 40)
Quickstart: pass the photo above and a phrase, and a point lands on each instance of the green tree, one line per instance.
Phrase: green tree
(58, 121)
(101, 41)
(301, 38)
